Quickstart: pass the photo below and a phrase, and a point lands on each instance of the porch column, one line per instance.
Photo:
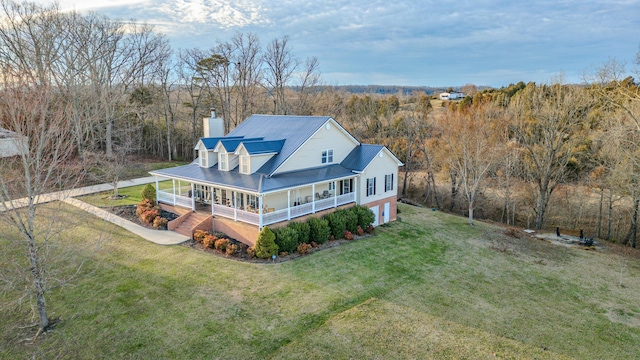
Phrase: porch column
(157, 189)
(355, 189)
(313, 196)
(288, 204)
(193, 198)
(213, 201)
(234, 195)
(260, 211)
(173, 182)
(335, 194)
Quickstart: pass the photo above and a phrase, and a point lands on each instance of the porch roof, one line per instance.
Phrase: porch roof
(256, 183)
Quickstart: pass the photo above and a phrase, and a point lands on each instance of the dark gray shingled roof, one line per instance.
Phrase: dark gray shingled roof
(294, 129)
(255, 182)
(361, 156)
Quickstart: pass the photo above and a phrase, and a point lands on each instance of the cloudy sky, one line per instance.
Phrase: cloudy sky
(414, 42)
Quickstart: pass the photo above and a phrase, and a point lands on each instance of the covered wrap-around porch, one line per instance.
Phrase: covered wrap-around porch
(255, 208)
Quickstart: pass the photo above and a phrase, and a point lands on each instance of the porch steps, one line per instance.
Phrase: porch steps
(191, 221)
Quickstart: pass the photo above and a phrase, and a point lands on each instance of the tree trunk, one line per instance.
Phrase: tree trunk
(610, 214)
(599, 226)
(471, 213)
(38, 285)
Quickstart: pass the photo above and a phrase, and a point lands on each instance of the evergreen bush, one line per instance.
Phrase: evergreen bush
(265, 245)
(336, 224)
(303, 230)
(319, 230)
(365, 216)
(149, 193)
(286, 238)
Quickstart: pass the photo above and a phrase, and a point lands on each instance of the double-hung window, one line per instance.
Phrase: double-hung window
(371, 186)
(388, 182)
(222, 162)
(244, 164)
(327, 156)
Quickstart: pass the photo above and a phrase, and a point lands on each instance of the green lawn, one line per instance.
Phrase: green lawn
(132, 195)
(428, 286)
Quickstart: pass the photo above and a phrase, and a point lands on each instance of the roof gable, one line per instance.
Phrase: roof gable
(363, 155)
(295, 130)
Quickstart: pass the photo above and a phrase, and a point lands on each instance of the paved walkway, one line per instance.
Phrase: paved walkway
(67, 196)
(157, 236)
(61, 195)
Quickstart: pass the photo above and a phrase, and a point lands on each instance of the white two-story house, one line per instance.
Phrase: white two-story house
(272, 169)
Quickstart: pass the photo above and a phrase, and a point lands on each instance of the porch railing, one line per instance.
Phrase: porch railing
(175, 200)
(165, 197)
(345, 198)
(274, 217)
(183, 201)
(224, 211)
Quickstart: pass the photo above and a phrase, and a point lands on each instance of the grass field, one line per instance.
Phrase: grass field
(132, 195)
(428, 286)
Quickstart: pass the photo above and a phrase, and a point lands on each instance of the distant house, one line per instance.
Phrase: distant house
(11, 143)
(272, 169)
(451, 96)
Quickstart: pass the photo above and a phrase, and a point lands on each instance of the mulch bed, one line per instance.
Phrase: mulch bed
(128, 212)
(242, 251)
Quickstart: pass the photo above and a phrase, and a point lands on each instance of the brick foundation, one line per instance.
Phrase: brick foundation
(393, 208)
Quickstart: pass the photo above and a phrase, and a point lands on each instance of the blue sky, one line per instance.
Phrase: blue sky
(415, 42)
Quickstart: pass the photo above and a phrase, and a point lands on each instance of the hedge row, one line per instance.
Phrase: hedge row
(298, 235)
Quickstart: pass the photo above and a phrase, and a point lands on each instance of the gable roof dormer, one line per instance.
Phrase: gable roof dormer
(263, 147)
(230, 144)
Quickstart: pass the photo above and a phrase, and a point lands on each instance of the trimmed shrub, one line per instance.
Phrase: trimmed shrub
(221, 244)
(251, 252)
(265, 245)
(336, 224)
(303, 248)
(350, 219)
(286, 238)
(149, 193)
(232, 249)
(348, 235)
(145, 205)
(160, 222)
(199, 235)
(148, 216)
(319, 230)
(369, 229)
(365, 216)
(209, 240)
(360, 231)
(302, 228)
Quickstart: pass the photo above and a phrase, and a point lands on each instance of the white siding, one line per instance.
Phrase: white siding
(9, 147)
(309, 155)
(378, 168)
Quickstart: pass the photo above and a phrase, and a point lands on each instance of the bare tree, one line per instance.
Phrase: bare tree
(280, 66)
(248, 73)
(36, 113)
(547, 123)
(471, 139)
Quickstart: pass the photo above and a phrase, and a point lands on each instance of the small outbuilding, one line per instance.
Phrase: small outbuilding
(11, 143)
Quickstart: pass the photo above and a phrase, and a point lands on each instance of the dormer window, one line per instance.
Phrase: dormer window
(327, 156)
(222, 162)
(244, 164)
